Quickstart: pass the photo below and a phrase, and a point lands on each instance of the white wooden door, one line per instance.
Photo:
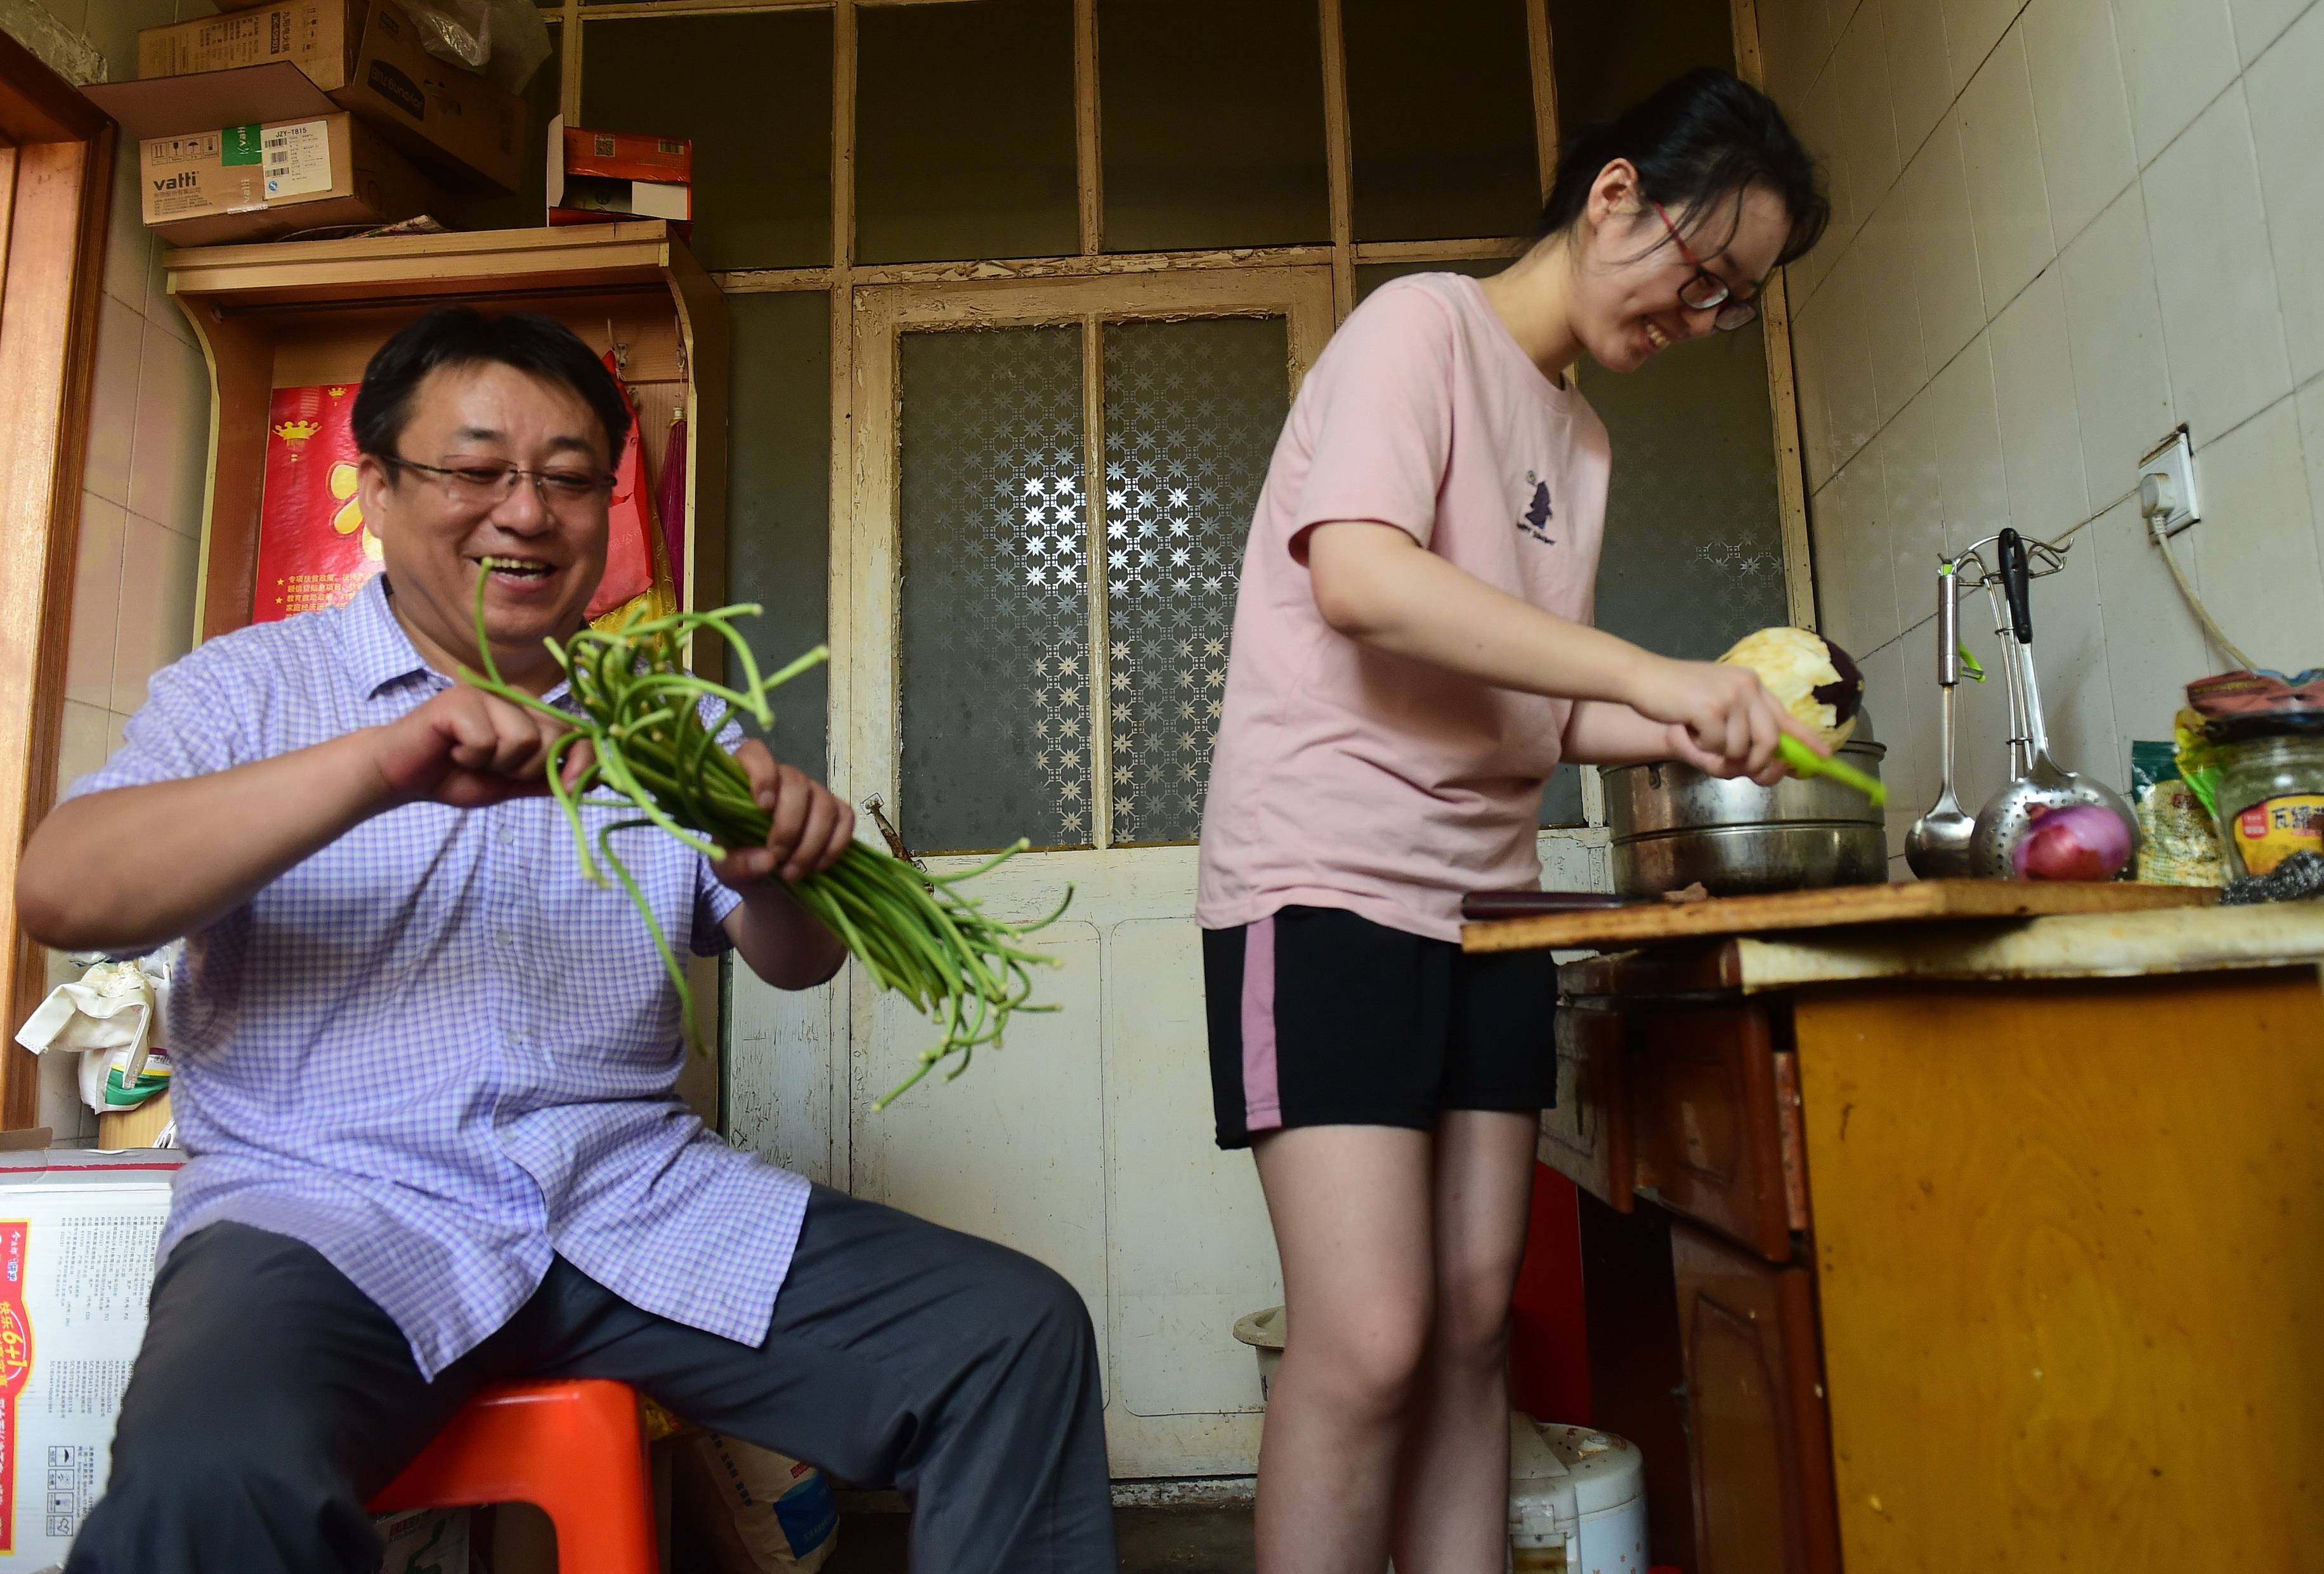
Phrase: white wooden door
(1023, 652)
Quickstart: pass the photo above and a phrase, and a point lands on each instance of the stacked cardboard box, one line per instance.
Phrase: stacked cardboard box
(289, 116)
(601, 177)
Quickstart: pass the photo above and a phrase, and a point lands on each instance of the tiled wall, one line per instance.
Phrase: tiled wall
(2061, 229)
(149, 435)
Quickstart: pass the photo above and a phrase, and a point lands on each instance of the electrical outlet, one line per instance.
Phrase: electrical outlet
(2166, 484)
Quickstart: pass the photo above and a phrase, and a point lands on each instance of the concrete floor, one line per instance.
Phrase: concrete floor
(1200, 1539)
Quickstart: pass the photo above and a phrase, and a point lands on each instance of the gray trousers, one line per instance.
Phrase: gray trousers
(271, 1397)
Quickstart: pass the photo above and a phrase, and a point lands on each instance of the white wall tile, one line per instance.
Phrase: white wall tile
(117, 732)
(1795, 42)
(1966, 429)
(2177, 55)
(1918, 76)
(113, 401)
(1916, 508)
(170, 457)
(2286, 93)
(2311, 442)
(1904, 720)
(2087, 152)
(1943, 243)
(2001, 154)
(83, 743)
(2260, 23)
(1814, 122)
(160, 310)
(2154, 646)
(1900, 367)
(1972, 29)
(2221, 326)
(128, 244)
(157, 607)
(1864, 122)
(96, 602)
(1847, 355)
(1808, 369)
(2122, 384)
(2262, 578)
(2069, 656)
(2033, 392)
(1855, 597)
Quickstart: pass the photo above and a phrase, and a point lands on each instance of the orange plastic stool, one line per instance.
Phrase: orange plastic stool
(574, 1450)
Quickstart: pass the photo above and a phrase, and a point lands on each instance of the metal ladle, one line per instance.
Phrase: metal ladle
(2045, 784)
(1937, 847)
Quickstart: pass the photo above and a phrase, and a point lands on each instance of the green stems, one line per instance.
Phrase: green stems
(657, 761)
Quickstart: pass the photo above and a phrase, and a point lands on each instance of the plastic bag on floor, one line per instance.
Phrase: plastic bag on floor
(758, 1511)
(426, 1541)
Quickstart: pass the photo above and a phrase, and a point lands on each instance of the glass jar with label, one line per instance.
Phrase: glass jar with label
(2270, 800)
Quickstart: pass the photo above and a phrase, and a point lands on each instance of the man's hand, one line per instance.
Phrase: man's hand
(1719, 719)
(470, 749)
(812, 824)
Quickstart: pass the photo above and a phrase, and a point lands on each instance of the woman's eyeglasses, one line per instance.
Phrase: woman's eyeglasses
(1707, 291)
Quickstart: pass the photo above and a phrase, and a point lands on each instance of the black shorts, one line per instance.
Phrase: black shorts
(1321, 1018)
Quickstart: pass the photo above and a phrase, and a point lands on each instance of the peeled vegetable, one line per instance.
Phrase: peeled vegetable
(2080, 842)
(1814, 680)
(1809, 677)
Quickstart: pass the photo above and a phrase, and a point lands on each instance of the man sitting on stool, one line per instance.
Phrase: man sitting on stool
(426, 1070)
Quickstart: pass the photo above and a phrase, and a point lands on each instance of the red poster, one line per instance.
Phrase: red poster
(15, 1366)
(313, 550)
(630, 565)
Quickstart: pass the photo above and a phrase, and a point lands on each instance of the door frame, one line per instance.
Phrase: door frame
(57, 149)
(864, 717)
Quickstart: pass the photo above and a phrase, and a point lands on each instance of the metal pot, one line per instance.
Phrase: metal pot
(1673, 827)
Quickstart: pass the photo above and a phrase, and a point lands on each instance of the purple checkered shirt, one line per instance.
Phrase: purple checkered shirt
(434, 1051)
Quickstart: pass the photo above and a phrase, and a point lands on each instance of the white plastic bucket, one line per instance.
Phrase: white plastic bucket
(1263, 1332)
(1577, 1495)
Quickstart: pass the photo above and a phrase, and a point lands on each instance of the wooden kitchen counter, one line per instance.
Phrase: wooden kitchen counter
(1932, 1241)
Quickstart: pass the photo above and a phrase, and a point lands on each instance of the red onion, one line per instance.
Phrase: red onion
(2080, 842)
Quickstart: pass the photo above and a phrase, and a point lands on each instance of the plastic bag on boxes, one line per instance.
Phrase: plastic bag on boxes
(761, 1513)
(504, 40)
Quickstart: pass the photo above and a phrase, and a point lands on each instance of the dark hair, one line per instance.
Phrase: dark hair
(461, 336)
(1694, 141)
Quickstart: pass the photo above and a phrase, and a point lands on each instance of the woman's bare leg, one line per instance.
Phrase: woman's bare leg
(1350, 1210)
(1453, 1492)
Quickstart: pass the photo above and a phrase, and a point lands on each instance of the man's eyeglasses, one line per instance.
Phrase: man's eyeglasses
(486, 483)
(1707, 290)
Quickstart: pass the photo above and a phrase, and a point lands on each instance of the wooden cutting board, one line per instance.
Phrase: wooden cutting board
(1834, 907)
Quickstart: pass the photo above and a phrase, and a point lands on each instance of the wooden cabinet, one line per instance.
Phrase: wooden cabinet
(1590, 1126)
(307, 313)
(1981, 1243)
(1708, 1145)
(1758, 1439)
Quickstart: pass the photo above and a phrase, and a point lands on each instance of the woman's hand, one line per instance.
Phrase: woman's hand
(1719, 719)
(812, 824)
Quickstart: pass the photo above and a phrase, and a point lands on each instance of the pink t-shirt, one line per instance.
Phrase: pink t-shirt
(1348, 777)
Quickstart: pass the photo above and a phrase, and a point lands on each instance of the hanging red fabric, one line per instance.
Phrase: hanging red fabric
(672, 500)
(630, 544)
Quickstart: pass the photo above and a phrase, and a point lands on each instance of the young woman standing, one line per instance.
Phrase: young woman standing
(1413, 656)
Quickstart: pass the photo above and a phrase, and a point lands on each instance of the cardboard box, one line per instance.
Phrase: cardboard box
(257, 153)
(77, 1231)
(317, 36)
(367, 55)
(603, 177)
